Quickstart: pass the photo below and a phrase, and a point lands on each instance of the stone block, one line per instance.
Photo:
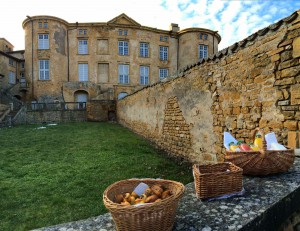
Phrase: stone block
(273, 52)
(291, 125)
(290, 72)
(288, 63)
(275, 124)
(288, 115)
(295, 94)
(286, 81)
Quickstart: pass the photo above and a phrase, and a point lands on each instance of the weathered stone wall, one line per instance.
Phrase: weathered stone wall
(39, 117)
(253, 83)
(101, 110)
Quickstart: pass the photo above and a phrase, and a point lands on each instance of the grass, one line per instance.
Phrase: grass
(58, 174)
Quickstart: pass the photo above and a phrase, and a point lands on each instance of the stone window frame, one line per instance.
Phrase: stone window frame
(44, 69)
(144, 75)
(83, 49)
(83, 72)
(43, 42)
(202, 51)
(163, 53)
(123, 74)
(123, 47)
(163, 73)
(144, 50)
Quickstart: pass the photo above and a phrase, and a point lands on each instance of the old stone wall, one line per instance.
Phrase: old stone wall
(101, 110)
(253, 83)
(40, 117)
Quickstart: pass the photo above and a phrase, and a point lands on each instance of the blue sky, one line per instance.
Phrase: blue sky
(233, 19)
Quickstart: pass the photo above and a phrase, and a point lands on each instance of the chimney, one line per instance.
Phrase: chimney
(174, 27)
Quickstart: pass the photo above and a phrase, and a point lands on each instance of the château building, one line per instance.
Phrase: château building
(78, 62)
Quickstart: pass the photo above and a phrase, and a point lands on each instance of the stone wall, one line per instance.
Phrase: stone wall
(101, 110)
(253, 83)
(40, 117)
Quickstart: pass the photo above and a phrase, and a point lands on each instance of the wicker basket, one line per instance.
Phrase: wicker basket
(263, 162)
(158, 216)
(214, 180)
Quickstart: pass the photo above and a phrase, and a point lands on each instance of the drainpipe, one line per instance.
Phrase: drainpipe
(32, 69)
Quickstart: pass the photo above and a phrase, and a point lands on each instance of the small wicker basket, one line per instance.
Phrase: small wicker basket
(158, 216)
(262, 162)
(214, 180)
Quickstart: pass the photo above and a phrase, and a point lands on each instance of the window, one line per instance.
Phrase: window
(12, 78)
(45, 24)
(122, 95)
(122, 32)
(83, 70)
(11, 62)
(123, 73)
(163, 38)
(163, 53)
(144, 75)
(203, 36)
(23, 65)
(82, 32)
(82, 47)
(163, 73)
(123, 48)
(43, 41)
(144, 49)
(203, 51)
(44, 70)
(40, 25)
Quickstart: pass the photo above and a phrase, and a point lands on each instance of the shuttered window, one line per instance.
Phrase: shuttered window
(123, 73)
(82, 47)
(83, 70)
(43, 42)
(44, 69)
(144, 75)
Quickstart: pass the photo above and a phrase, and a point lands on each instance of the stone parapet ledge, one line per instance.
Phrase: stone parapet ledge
(266, 205)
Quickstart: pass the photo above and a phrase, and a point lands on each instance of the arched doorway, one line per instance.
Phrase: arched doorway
(122, 95)
(81, 97)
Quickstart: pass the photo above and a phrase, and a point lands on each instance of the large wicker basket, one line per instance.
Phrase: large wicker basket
(158, 216)
(214, 180)
(263, 162)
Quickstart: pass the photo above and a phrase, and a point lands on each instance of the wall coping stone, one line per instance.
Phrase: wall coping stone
(266, 204)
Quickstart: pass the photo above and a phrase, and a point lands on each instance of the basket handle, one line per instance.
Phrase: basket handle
(264, 143)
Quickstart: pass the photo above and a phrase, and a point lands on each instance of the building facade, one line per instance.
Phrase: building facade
(77, 62)
(12, 69)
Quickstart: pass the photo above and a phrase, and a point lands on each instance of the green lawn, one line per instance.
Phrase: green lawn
(58, 174)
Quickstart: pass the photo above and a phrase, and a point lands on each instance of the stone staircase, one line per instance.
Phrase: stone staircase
(10, 109)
